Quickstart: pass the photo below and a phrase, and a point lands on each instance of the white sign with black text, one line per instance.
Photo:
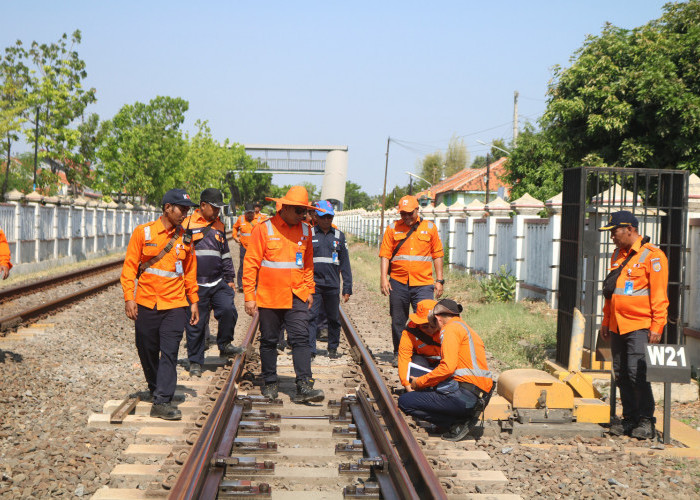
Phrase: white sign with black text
(667, 363)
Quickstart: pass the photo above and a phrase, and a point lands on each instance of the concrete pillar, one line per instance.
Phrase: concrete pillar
(335, 176)
(12, 233)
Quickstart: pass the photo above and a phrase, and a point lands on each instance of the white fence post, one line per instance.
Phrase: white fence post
(525, 206)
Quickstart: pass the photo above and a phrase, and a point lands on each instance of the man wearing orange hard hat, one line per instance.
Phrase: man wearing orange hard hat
(410, 248)
(278, 283)
(420, 342)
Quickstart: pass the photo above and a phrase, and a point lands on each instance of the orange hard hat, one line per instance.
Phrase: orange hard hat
(408, 203)
(420, 317)
(297, 196)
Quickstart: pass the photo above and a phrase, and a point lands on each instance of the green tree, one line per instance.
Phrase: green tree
(393, 197)
(143, 148)
(432, 167)
(355, 197)
(456, 157)
(58, 98)
(245, 184)
(14, 78)
(631, 98)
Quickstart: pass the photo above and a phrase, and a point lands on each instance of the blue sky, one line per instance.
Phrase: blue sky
(349, 73)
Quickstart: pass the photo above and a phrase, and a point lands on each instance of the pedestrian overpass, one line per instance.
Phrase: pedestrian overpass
(329, 161)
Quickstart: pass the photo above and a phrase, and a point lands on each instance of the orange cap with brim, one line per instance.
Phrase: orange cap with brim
(408, 203)
(297, 196)
(423, 308)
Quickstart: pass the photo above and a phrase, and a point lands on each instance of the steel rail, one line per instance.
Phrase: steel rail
(12, 320)
(11, 292)
(425, 482)
(197, 475)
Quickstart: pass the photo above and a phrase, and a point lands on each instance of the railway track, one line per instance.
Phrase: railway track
(232, 442)
(30, 301)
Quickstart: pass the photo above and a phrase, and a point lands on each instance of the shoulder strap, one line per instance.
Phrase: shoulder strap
(413, 228)
(645, 240)
(166, 249)
(204, 233)
(424, 337)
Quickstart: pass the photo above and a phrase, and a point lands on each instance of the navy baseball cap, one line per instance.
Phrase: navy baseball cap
(177, 197)
(623, 218)
(326, 208)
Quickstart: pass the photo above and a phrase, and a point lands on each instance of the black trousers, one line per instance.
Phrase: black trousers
(325, 300)
(239, 278)
(158, 335)
(630, 369)
(296, 321)
(220, 298)
(401, 297)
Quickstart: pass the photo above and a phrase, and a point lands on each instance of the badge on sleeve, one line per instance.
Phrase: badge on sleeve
(656, 266)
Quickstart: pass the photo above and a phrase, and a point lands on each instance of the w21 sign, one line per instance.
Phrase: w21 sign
(667, 363)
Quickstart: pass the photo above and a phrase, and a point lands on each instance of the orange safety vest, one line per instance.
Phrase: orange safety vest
(463, 357)
(4, 251)
(413, 263)
(165, 284)
(411, 344)
(271, 264)
(243, 228)
(640, 300)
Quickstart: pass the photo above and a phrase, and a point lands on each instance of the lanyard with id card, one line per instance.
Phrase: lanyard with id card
(629, 284)
(178, 267)
(299, 257)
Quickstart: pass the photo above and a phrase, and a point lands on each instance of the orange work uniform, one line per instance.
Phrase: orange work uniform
(271, 263)
(463, 357)
(640, 299)
(4, 251)
(166, 284)
(413, 263)
(410, 344)
(243, 228)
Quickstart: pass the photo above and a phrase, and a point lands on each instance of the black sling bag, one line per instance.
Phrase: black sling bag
(419, 334)
(610, 281)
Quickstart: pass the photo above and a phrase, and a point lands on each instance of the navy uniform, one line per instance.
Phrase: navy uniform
(331, 260)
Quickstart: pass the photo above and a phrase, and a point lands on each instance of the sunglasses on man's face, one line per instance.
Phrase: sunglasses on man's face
(300, 210)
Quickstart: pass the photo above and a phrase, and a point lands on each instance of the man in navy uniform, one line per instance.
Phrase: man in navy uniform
(331, 260)
(215, 277)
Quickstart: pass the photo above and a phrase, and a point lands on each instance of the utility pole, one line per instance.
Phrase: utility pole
(386, 170)
(515, 118)
(36, 145)
(488, 175)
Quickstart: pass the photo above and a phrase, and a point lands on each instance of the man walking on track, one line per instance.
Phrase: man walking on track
(166, 269)
(278, 282)
(634, 314)
(241, 231)
(410, 248)
(215, 277)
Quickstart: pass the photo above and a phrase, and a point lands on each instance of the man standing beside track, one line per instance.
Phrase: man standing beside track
(409, 250)
(278, 282)
(453, 395)
(164, 264)
(215, 277)
(634, 314)
(5, 264)
(242, 229)
(331, 260)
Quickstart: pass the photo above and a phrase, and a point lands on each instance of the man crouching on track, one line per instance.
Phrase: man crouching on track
(279, 260)
(453, 395)
(420, 342)
(166, 269)
(215, 277)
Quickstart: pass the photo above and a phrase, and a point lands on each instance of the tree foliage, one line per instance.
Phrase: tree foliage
(432, 167)
(245, 184)
(356, 198)
(456, 157)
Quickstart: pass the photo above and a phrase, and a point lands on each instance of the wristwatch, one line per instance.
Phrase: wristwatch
(442, 282)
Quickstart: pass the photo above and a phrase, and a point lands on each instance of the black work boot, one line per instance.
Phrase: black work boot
(395, 360)
(270, 390)
(195, 370)
(458, 431)
(230, 350)
(644, 429)
(622, 427)
(165, 411)
(306, 392)
(322, 335)
(333, 353)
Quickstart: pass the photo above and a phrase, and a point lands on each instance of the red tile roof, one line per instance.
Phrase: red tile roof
(470, 179)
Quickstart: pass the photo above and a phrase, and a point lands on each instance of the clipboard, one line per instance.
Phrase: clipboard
(415, 370)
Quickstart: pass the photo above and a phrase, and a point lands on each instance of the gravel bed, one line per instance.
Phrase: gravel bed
(577, 468)
(40, 297)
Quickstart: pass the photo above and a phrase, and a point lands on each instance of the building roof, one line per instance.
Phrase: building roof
(470, 179)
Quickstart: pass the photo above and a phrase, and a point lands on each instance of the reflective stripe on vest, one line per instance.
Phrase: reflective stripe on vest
(421, 258)
(270, 231)
(208, 253)
(279, 265)
(226, 256)
(245, 234)
(337, 234)
(160, 272)
(475, 370)
(304, 229)
(430, 225)
(325, 260)
(639, 293)
(643, 257)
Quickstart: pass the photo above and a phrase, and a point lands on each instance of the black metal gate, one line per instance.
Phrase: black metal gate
(659, 199)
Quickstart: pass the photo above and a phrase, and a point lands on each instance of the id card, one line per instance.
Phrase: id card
(628, 287)
(299, 260)
(178, 267)
(335, 257)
